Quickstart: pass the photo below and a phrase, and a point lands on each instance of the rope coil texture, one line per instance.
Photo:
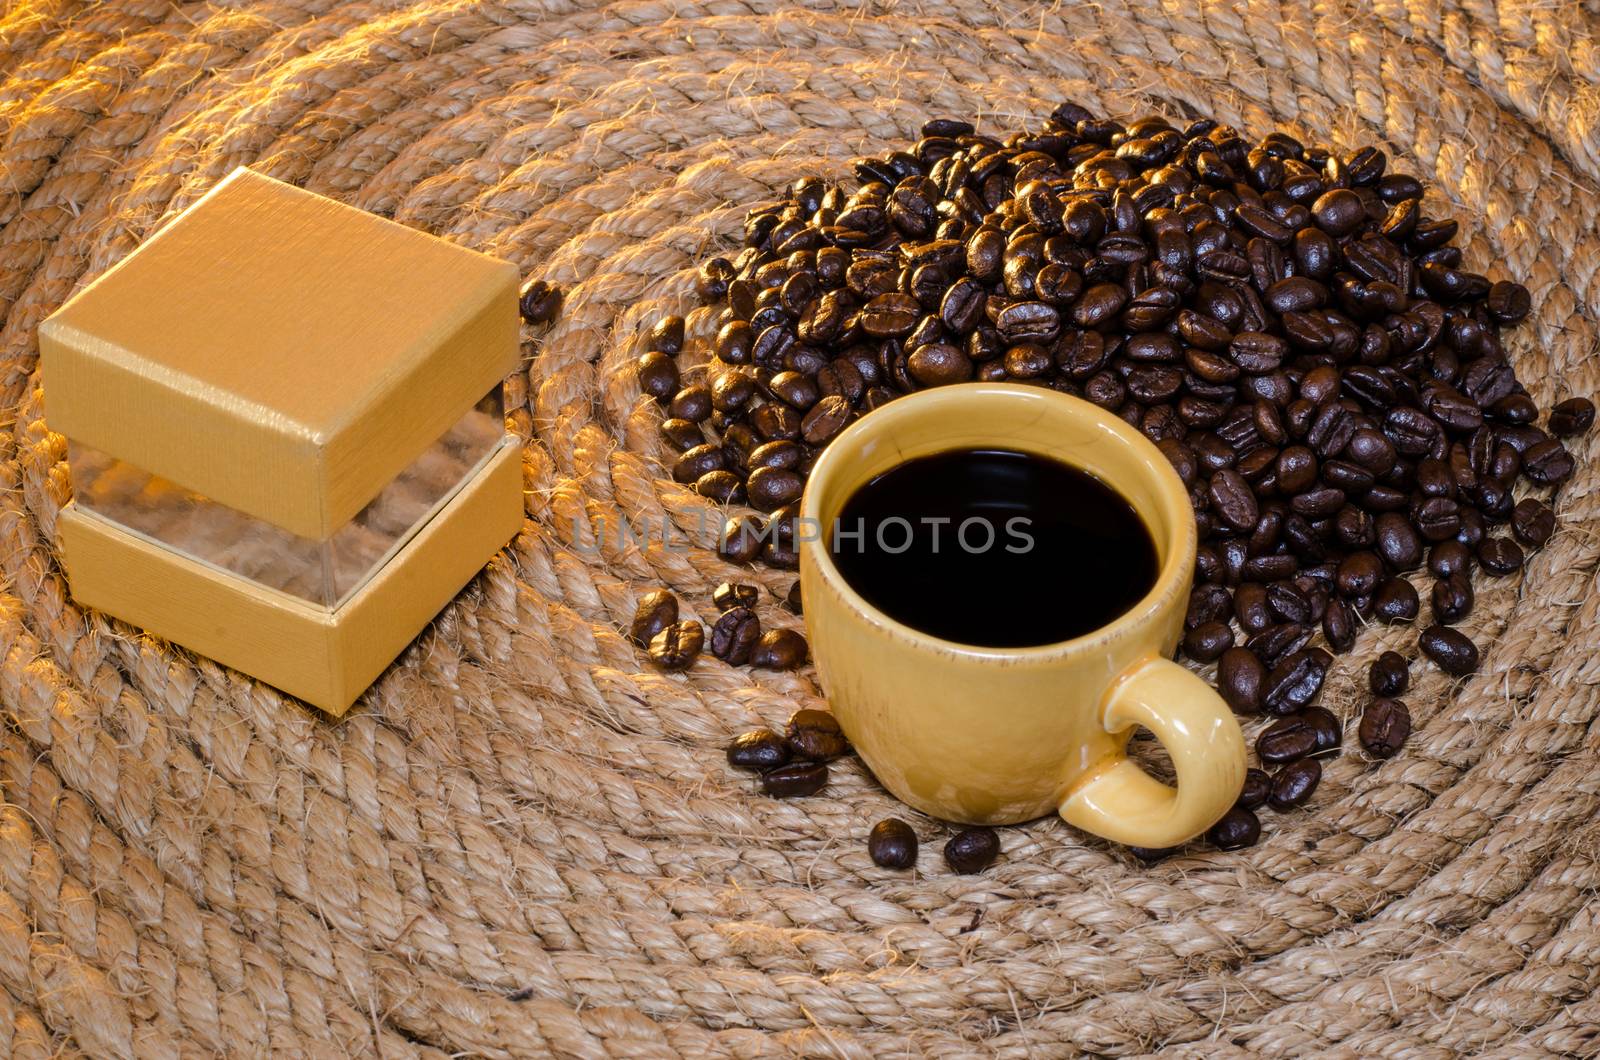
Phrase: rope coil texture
(524, 841)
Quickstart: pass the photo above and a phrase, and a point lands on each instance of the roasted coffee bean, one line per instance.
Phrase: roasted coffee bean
(1508, 302)
(734, 635)
(1398, 542)
(1238, 828)
(722, 486)
(730, 595)
(892, 844)
(1257, 786)
(1251, 607)
(677, 646)
(1499, 556)
(1294, 784)
(1385, 726)
(1358, 574)
(1547, 463)
(1395, 601)
(1233, 500)
(1339, 626)
(826, 418)
(1241, 679)
(1279, 642)
(759, 751)
(1389, 674)
(741, 539)
(1452, 598)
(539, 302)
(658, 375)
(1449, 557)
(795, 780)
(1330, 734)
(779, 649)
(1295, 681)
(772, 487)
(1286, 740)
(972, 850)
(1572, 416)
(815, 734)
(1206, 642)
(792, 599)
(656, 610)
(1533, 522)
(1450, 650)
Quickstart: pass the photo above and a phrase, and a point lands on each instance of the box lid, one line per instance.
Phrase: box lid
(279, 352)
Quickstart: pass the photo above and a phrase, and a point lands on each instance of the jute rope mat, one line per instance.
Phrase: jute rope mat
(524, 842)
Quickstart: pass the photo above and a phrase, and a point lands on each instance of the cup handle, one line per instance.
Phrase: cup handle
(1123, 803)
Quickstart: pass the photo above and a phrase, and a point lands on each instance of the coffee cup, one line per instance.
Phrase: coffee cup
(989, 735)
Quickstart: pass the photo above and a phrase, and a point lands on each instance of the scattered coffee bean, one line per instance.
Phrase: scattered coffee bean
(892, 844)
(1533, 522)
(1239, 828)
(795, 780)
(1151, 855)
(539, 302)
(1450, 650)
(1499, 556)
(1395, 601)
(734, 635)
(1330, 734)
(1295, 682)
(658, 375)
(1204, 643)
(1257, 786)
(972, 850)
(730, 595)
(792, 599)
(1452, 599)
(677, 646)
(779, 649)
(758, 751)
(1294, 783)
(1389, 674)
(656, 611)
(1385, 725)
(816, 734)
(1241, 678)
(1449, 557)
(1572, 416)
(1286, 740)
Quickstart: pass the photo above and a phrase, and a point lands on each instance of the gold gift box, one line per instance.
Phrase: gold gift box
(285, 433)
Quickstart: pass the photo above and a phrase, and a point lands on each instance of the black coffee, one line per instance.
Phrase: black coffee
(994, 548)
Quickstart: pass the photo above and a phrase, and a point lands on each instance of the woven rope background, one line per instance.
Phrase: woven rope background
(524, 841)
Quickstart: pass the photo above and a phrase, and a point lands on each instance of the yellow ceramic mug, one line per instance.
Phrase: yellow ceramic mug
(999, 735)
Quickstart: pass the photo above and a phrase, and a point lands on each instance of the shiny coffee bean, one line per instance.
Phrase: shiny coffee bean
(1286, 740)
(1329, 733)
(1206, 642)
(1389, 674)
(1385, 726)
(730, 595)
(1572, 416)
(1241, 679)
(655, 611)
(972, 850)
(1450, 650)
(1452, 599)
(734, 635)
(758, 751)
(795, 780)
(892, 844)
(815, 734)
(1238, 828)
(1395, 601)
(1533, 522)
(1295, 682)
(1294, 784)
(677, 646)
(1499, 556)
(779, 649)
(539, 302)
(1449, 557)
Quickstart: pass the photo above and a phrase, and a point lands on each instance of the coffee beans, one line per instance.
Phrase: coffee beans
(730, 595)
(779, 649)
(892, 844)
(1290, 325)
(1385, 725)
(795, 780)
(1238, 828)
(758, 751)
(815, 734)
(539, 302)
(1286, 740)
(734, 635)
(1294, 784)
(655, 612)
(972, 850)
(1257, 786)
(1450, 650)
(677, 646)
(1389, 674)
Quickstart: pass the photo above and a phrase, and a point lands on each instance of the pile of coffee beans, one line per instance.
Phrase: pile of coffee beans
(1289, 324)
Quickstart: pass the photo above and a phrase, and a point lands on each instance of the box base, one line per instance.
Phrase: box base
(325, 657)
